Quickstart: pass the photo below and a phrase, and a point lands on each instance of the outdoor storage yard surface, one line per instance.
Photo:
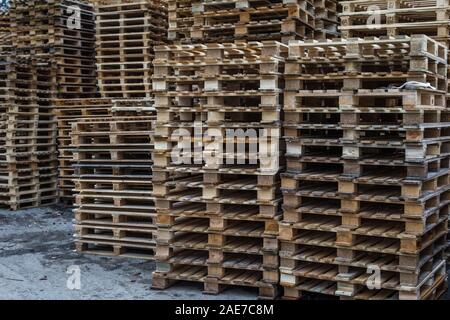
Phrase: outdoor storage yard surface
(36, 248)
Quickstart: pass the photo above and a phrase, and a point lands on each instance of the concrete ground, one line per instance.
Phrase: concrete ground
(36, 250)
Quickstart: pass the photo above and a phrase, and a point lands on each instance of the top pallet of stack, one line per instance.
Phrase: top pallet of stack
(395, 17)
(369, 63)
(218, 21)
(213, 21)
(44, 23)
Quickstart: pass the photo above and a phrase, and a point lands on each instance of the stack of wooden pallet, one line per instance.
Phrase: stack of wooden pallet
(361, 18)
(216, 171)
(115, 208)
(398, 17)
(5, 23)
(68, 111)
(326, 19)
(181, 20)
(211, 21)
(281, 20)
(6, 46)
(61, 30)
(126, 34)
(366, 192)
(27, 133)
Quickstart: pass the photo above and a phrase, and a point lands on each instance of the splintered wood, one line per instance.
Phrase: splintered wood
(217, 210)
(367, 182)
(115, 212)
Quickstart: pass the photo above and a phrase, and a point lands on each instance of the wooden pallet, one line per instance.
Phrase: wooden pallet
(115, 249)
(217, 222)
(181, 20)
(115, 207)
(395, 18)
(351, 198)
(225, 21)
(41, 28)
(126, 34)
(343, 66)
(144, 236)
(431, 287)
(282, 22)
(326, 19)
(68, 111)
(27, 133)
